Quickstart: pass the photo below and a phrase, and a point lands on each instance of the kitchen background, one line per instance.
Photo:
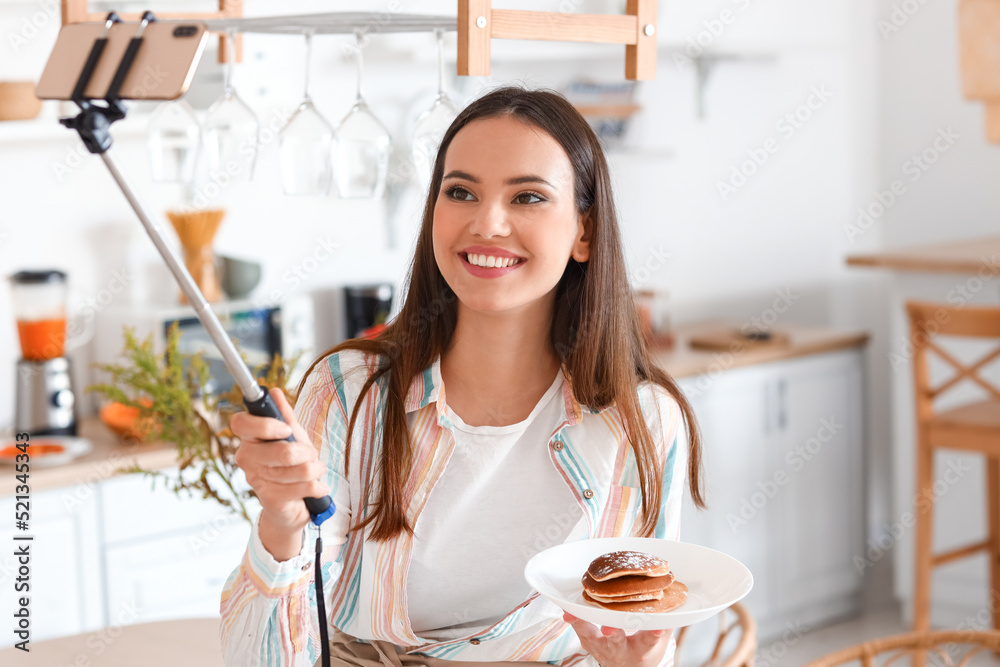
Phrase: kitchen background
(848, 91)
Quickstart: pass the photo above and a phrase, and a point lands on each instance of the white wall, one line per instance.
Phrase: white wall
(955, 197)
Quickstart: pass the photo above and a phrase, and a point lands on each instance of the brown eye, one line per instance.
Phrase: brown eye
(458, 193)
(526, 198)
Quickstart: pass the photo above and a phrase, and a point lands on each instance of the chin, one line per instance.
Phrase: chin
(482, 303)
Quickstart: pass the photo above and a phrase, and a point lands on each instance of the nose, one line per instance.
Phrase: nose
(489, 220)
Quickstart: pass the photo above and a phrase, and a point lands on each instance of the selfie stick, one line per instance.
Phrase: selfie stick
(93, 123)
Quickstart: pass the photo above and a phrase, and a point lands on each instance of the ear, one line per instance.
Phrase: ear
(581, 247)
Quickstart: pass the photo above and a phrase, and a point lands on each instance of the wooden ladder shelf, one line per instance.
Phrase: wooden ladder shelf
(479, 24)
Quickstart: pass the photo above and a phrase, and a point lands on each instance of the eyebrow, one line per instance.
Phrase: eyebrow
(517, 180)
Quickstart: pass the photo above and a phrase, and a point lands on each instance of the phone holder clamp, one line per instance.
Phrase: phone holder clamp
(93, 123)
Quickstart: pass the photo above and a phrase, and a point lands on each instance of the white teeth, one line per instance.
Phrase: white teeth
(488, 261)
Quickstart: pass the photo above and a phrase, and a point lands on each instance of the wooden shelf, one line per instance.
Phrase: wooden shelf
(969, 257)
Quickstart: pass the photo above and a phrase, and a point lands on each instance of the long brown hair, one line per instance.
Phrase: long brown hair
(595, 327)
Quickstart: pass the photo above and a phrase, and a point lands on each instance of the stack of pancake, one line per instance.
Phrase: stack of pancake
(632, 581)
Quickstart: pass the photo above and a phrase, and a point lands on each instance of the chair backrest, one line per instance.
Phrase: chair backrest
(945, 648)
(928, 319)
(735, 618)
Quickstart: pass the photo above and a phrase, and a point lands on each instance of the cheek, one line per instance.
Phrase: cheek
(553, 240)
(441, 227)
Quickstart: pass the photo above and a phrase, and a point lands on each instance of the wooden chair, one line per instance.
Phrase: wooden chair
(972, 427)
(943, 648)
(732, 619)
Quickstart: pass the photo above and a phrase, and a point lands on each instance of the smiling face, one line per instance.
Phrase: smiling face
(505, 220)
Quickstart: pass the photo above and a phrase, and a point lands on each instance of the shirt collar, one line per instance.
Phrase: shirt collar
(427, 387)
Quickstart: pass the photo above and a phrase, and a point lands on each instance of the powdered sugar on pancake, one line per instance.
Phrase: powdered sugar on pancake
(623, 563)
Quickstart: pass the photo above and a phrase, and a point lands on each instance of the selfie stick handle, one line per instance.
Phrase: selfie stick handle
(93, 125)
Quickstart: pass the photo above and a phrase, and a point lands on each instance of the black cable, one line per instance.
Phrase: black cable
(321, 605)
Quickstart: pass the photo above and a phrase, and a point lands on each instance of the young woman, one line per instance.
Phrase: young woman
(511, 406)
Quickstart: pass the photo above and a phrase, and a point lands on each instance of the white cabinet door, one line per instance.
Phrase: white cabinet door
(166, 556)
(730, 410)
(136, 507)
(65, 579)
(817, 430)
(179, 576)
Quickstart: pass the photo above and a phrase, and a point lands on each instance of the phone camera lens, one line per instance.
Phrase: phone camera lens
(185, 31)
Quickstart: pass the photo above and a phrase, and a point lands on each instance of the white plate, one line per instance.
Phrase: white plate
(715, 581)
(75, 448)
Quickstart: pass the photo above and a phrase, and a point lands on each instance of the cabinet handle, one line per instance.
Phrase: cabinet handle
(782, 405)
(768, 388)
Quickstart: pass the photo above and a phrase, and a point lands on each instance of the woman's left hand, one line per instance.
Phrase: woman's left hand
(612, 648)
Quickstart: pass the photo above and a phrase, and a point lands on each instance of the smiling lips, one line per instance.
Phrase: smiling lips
(491, 261)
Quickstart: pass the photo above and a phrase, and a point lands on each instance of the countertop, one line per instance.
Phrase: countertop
(192, 642)
(683, 361)
(969, 256)
(111, 453)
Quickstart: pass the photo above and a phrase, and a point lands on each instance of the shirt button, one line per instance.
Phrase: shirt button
(305, 568)
(557, 445)
(588, 494)
(474, 642)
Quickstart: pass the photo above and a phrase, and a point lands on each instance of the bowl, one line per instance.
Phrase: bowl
(18, 101)
(239, 276)
(125, 422)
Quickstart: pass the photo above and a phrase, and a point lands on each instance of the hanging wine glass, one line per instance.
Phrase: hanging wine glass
(174, 136)
(306, 142)
(231, 128)
(361, 148)
(432, 124)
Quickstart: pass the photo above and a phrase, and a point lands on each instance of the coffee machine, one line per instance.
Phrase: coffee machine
(44, 400)
(366, 306)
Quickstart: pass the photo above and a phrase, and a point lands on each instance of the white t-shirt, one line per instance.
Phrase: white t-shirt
(476, 533)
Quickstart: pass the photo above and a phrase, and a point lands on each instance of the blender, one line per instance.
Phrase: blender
(45, 404)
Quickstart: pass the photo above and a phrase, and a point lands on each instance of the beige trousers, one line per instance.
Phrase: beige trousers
(346, 651)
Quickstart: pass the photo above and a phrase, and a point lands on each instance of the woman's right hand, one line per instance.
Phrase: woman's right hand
(281, 473)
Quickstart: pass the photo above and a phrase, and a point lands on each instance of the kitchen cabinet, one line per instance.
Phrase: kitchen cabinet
(66, 577)
(731, 414)
(176, 576)
(169, 556)
(819, 431)
(100, 558)
(783, 457)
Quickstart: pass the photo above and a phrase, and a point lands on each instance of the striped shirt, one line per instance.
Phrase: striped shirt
(268, 608)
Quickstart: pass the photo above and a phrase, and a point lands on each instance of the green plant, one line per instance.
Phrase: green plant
(170, 392)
